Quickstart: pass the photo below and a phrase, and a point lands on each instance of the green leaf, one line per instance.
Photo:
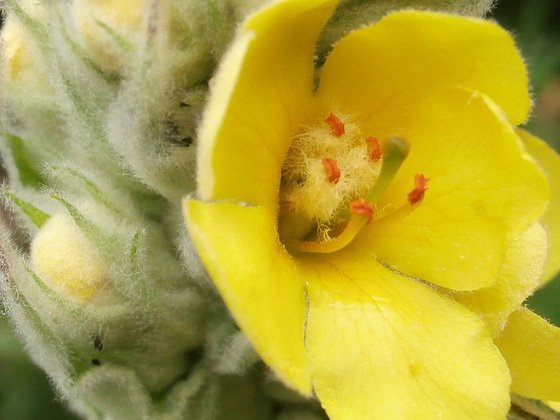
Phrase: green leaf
(38, 217)
(353, 14)
(81, 53)
(34, 26)
(92, 231)
(91, 188)
(527, 409)
(28, 175)
(84, 109)
(121, 41)
(58, 299)
(85, 225)
(134, 268)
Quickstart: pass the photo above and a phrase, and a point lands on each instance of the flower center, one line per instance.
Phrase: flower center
(327, 167)
(331, 179)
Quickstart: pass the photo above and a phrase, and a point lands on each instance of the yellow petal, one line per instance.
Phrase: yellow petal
(484, 191)
(258, 280)
(531, 347)
(520, 274)
(409, 53)
(382, 346)
(262, 92)
(554, 405)
(549, 161)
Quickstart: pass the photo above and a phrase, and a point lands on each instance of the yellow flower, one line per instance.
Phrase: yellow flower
(375, 237)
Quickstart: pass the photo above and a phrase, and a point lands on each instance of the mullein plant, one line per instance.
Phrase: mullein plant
(127, 124)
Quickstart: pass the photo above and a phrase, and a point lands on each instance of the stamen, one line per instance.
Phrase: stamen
(420, 187)
(374, 149)
(362, 207)
(361, 212)
(404, 210)
(333, 172)
(337, 126)
(285, 206)
(394, 150)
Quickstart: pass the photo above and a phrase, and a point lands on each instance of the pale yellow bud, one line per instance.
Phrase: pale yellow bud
(66, 260)
(22, 60)
(109, 27)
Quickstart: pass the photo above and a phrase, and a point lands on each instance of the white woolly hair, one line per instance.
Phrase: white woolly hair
(305, 177)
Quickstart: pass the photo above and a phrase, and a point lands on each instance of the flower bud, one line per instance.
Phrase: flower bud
(22, 61)
(110, 29)
(66, 261)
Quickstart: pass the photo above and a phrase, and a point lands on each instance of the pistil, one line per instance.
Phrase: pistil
(394, 152)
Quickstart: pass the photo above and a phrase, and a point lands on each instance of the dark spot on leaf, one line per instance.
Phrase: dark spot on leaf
(97, 344)
(187, 141)
(176, 137)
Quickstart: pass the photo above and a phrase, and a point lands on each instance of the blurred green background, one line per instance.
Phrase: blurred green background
(25, 393)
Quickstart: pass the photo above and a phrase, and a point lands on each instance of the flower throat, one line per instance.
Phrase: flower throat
(331, 179)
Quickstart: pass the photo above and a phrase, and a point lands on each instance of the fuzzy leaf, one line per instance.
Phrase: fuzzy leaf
(93, 190)
(526, 409)
(353, 14)
(38, 217)
(28, 175)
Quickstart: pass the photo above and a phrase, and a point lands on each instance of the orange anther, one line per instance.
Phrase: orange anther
(374, 149)
(333, 172)
(337, 126)
(420, 187)
(362, 207)
(285, 206)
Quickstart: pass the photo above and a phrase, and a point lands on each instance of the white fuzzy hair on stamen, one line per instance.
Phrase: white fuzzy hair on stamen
(308, 188)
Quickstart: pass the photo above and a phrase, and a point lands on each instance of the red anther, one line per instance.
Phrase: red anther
(333, 172)
(285, 206)
(362, 207)
(337, 126)
(374, 149)
(420, 187)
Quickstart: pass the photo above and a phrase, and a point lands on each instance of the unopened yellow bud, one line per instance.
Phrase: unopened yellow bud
(66, 260)
(109, 28)
(21, 56)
